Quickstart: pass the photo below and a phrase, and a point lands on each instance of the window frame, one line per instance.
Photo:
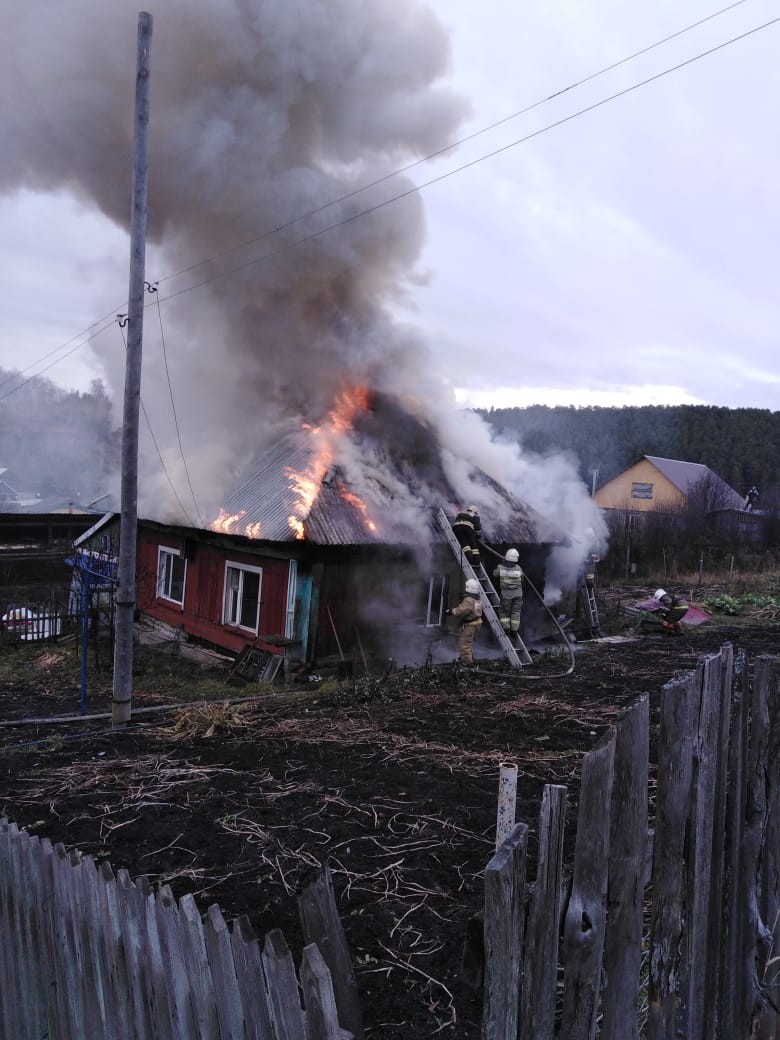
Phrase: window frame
(242, 568)
(432, 611)
(161, 591)
(642, 490)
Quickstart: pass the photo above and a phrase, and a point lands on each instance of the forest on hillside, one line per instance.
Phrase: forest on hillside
(54, 443)
(741, 445)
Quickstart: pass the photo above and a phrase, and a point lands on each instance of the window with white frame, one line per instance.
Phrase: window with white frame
(436, 600)
(171, 574)
(241, 605)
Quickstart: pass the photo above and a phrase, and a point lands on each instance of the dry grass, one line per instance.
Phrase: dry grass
(208, 720)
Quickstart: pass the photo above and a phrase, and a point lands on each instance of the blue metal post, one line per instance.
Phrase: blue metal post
(85, 583)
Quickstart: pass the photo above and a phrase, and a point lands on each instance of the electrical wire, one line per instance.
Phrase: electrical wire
(415, 189)
(453, 144)
(173, 409)
(380, 180)
(159, 453)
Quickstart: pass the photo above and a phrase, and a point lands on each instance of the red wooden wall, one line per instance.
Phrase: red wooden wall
(201, 614)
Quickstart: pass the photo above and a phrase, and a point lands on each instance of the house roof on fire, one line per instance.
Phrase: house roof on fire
(335, 514)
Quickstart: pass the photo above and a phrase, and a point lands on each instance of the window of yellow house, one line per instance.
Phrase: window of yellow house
(641, 490)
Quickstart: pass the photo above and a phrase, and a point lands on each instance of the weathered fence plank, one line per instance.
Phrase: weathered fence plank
(585, 923)
(700, 856)
(282, 989)
(627, 873)
(204, 1007)
(540, 957)
(756, 936)
(504, 927)
(154, 964)
(675, 767)
(733, 925)
(119, 976)
(223, 973)
(713, 979)
(129, 904)
(72, 954)
(176, 973)
(769, 1026)
(322, 925)
(11, 996)
(322, 1020)
(249, 971)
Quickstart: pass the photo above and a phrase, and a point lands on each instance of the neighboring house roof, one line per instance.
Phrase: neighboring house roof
(686, 475)
(105, 519)
(265, 502)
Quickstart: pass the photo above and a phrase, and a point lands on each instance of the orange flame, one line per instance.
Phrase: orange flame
(226, 522)
(306, 485)
(360, 505)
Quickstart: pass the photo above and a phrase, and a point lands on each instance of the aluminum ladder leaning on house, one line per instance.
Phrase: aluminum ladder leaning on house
(591, 608)
(516, 653)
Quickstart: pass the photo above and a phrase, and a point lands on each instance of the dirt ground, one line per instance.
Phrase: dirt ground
(393, 783)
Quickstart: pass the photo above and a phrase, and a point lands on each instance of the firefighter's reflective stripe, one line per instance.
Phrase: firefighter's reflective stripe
(511, 579)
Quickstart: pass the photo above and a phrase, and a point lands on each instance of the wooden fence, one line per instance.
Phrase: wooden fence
(87, 954)
(667, 932)
(23, 624)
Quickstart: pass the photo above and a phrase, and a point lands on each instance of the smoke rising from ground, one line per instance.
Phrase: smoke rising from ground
(261, 110)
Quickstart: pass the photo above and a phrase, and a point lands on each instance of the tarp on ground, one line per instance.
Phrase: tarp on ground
(695, 615)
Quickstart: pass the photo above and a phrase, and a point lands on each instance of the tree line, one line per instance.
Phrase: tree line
(741, 445)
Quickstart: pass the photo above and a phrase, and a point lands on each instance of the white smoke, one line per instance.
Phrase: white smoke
(263, 111)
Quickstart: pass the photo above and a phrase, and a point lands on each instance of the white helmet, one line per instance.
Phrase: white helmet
(659, 594)
(472, 511)
(512, 556)
(472, 586)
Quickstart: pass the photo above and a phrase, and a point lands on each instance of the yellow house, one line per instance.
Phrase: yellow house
(655, 485)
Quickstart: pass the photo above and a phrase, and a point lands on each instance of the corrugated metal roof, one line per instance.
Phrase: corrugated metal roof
(686, 475)
(267, 499)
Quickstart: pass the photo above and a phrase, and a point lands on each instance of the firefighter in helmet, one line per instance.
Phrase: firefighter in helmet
(510, 577)
(673, 610)
(467, 528)
(469, 614)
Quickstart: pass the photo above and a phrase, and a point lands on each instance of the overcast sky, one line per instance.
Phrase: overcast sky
(627, 256)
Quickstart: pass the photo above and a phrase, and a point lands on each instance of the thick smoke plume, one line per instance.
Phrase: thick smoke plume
(261, 111)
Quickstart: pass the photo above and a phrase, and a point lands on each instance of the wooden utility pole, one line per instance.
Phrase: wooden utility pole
(125, 593)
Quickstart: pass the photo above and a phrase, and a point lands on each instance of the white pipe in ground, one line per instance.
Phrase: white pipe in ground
(507, 799)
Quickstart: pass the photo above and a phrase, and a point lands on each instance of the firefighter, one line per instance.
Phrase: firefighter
(469, 613)
(750, 499)
(468, 530)
(674, 609)
(510, 576)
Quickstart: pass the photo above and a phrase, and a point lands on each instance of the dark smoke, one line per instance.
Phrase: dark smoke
(261, 110)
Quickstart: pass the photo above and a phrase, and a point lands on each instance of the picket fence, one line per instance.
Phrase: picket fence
(667, 932)
(86, 954)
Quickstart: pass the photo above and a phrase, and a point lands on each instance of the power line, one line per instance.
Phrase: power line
(157, 448)
(286, 247)
(153, 289)
(454, 144)
(417, 188)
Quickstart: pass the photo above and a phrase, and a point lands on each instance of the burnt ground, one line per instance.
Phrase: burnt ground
(393, 783)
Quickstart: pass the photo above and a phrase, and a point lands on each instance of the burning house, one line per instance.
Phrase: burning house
(283, 366)
(330, 549)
